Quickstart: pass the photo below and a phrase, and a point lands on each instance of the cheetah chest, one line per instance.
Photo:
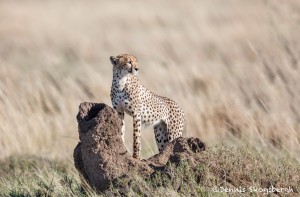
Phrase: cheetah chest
(121, 101)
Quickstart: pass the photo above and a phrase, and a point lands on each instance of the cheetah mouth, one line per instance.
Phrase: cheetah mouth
(133, 71)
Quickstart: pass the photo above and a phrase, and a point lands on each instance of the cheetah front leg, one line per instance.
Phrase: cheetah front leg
(121, 116)
(137, 123)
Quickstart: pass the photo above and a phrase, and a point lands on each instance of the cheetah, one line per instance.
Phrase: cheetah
(146, 108)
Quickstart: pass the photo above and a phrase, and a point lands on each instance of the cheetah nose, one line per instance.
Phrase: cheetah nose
(136, 69)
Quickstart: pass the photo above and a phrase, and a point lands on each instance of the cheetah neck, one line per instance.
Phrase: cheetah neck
(120, 81)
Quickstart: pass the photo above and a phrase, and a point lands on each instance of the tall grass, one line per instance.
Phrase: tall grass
(233, 67)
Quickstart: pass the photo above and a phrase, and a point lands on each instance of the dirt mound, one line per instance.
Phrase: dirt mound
(102, 158)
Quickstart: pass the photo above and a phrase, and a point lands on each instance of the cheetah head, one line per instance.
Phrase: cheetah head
(125, 63)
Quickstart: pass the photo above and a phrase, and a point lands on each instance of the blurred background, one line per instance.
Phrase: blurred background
(233, 66)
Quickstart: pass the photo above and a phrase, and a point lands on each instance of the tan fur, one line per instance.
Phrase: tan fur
(146, 108)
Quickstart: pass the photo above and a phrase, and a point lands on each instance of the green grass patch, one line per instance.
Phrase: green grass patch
(217, 169)
(36, 176)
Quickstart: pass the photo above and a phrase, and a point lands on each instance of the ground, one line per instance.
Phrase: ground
(227, 167)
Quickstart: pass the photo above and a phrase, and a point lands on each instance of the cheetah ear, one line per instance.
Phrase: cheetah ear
(113, 60)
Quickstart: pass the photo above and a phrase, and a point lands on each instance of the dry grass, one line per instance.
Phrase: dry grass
(233, 66)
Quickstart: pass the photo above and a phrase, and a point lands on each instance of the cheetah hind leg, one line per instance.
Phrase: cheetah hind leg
(161, 137)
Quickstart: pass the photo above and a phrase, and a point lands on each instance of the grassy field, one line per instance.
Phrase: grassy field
(233, 67)
(245, 170)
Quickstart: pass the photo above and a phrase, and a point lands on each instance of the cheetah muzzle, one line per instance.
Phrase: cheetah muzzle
(146, 108)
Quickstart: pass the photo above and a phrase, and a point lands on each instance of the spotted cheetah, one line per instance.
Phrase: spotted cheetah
(146, 108)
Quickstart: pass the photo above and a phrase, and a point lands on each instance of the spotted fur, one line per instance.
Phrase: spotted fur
(146, 108)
